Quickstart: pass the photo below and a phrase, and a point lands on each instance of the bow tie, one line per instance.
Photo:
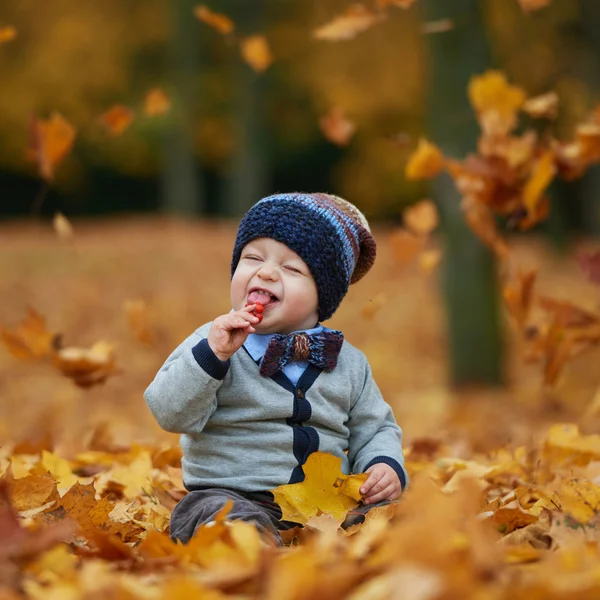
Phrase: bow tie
(320, 349)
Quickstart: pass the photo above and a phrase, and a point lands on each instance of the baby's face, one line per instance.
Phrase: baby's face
(271, 273)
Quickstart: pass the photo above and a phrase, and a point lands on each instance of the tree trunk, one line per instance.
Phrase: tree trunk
(181, 191)
(468, 273)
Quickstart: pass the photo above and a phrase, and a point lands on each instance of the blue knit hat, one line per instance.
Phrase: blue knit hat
(328, 233)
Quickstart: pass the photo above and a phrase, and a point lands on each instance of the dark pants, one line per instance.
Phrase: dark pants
(200, 506)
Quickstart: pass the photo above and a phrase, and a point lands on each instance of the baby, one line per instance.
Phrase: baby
(259, 389)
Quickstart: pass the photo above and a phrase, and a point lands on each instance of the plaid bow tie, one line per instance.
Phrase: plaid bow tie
(320, 349)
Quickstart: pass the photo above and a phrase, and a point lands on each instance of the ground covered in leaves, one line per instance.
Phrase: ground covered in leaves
(505, 485)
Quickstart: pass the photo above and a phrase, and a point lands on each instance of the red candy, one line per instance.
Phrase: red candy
(258, 310)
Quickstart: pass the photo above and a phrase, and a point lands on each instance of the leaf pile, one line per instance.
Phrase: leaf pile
(515, 523)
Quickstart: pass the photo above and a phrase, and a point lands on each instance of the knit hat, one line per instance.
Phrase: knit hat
(328, 233)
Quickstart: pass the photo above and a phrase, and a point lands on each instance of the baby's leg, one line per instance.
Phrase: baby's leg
(200, 507)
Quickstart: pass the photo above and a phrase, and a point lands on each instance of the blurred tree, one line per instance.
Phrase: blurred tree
(469, 272)
(181, 189)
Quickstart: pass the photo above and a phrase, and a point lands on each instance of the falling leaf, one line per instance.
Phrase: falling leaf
(325, 489)
(544, 106)
(541, 176)
(429, 260)
(439, 26)
(518, 295)
(399, 3)
(426, 162)
(117, 119)
(495, 101)
(405, 246)
(256, 52)
(568, 314)
(217, 21)
(156, 103)
(87, 366)
(336, 127)
(355, 19)
(62, 226)
(532, 5)
(7, 34)
(421, 218)
(137, 314)
(51, 141)
(481, 221)
(30, 339)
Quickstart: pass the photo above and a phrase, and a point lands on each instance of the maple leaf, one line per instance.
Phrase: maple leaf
(31, 491)
(336, 127)
(117, 119)
(256, 52)
(156, 103)
(217, 21)
(325, 489)
(87, 366)
(354, 20)
(51, 141)
(30, 339)
(426, 162)
(7, 34)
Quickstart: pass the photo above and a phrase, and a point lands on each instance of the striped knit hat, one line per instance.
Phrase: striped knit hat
(330, 235)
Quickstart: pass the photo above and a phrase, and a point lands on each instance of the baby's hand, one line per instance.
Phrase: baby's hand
(383, 484)
(228, 332)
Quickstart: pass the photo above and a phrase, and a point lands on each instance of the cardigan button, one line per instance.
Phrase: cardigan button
(300, 393)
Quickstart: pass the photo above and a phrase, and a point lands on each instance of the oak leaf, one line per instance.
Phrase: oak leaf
(426, 162)
(354, 20)
(325, 489)
(217, 21)
(256, 52)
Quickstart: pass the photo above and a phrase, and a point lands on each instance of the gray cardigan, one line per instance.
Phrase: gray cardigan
(247, 432)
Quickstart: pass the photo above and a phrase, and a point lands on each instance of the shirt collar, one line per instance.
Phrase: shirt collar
(256, 343)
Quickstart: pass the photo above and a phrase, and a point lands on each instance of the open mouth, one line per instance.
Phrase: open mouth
(262, 296)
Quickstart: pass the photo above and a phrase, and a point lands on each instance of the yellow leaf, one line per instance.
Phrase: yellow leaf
(565, 444)
(425, 162)
(30, 339)
(399, 3)
(543, 106)
(60, 469)
(576, 497)
(87, 366)
(137, 313)
(117, 119)
(541, 176)
(405, 245)
(7, 34)
(429, 260)
(156, 103)
(62, 226)
(518, 295)
(30, 491)
(217, 21)
(256, 52)
(51, 141)
(325, 490)
(495, 101)
(355, 19)
(421, 218)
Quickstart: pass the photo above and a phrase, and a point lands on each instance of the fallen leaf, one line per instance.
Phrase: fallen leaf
(325, 489)
(354, 20)
(62, 226)
(426, 162)
(30, 339)
(421, 218)
(256, 52)
(51, 141)
(117, 119)
(7, 34)
(217, 21)
(336, 127)
(31, 491)
(156, 103)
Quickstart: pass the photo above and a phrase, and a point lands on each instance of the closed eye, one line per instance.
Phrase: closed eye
(252, 257)
(293, 269)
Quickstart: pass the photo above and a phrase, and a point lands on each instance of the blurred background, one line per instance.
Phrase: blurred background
(180, 126)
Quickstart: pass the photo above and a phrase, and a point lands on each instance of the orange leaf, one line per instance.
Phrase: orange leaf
(117, 119)
(541, 176)
(325, 489)
(425, 162)
(31, 339)
(495, 101)
(531, 5)
(336, 127)
(567, 314)
(481, 221)
(156, 103)
(31, 491)
(405, 245)
(52, 140)
(354, 20)
(256, 52)
(7, 34)
(87, 367)
(137, 313)
(398, 3)
(421, 218)
(518, 296)
(220, 22)
(543, 106)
